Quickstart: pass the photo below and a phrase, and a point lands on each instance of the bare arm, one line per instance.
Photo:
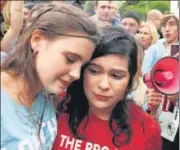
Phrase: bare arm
(16, 23)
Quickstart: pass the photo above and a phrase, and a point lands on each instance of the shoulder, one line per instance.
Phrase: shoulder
(151, 129)
(93, 18)
(136, 111)
(157, 45)
(133, 109)
(5, 104)
(160, 42)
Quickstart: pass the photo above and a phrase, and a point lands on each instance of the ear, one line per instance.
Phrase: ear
(37, 39)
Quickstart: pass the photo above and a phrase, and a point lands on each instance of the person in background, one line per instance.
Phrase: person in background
(170, 30)
(16, 23)
(102, 11)
(115, 15)
(154, 17)
(148, 35)
(57, 41)
(97, 103)
(138, 91)
(3, 4)
(6, 17)
(131, 22)
(77, 3)
(26, 9)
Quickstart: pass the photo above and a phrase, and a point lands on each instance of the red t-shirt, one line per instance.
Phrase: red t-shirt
(98, 135)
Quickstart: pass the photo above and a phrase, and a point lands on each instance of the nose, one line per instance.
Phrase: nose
(128, 27)
(75, 73)
(104, 83)
(141, 35)
(106, 10)
(166, 28)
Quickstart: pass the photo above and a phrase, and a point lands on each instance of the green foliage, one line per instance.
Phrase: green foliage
(89, 7)
(142, 7)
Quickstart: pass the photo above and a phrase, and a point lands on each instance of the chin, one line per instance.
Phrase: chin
(101, 106)
(56, 91)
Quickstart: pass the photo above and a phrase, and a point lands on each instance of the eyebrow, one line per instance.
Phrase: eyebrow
(171, 21)
(116, 70)
(76, 55)
(94, 64)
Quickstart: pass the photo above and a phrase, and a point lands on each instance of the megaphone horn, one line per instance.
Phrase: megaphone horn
(164, 78)
(161, 78)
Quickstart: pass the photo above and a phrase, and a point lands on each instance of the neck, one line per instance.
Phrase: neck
(145, 47)
(101, 114)
(19, 89)
(168, 44)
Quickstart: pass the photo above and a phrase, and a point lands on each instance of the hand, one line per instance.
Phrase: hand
(154, 99)
(176, 55)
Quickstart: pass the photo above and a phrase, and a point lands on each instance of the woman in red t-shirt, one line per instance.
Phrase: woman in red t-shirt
(96, 114)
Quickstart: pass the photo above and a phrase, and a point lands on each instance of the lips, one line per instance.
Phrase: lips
(167, 35)
(101, 97)
(64, 83)
(143, 41)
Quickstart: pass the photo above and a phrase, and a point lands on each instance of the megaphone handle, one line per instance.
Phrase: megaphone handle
(165, 103)
(149, 106)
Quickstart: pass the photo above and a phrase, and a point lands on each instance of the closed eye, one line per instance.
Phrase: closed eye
(93, 69)
(117, 76)
(70, 60)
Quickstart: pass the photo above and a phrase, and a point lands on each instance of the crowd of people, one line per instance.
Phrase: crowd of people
(74, 81)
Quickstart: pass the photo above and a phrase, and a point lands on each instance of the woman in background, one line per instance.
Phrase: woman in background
(148, 35)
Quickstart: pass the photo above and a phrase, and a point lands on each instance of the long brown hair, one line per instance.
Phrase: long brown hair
(51, 20)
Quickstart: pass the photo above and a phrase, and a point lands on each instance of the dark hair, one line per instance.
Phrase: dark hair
(113, 41)
(77, 3)
(131, 14)
(52, 21)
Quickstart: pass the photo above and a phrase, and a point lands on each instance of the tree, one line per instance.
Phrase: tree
(89, 7)
(143, 7)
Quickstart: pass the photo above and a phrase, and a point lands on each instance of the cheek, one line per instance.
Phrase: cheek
(87, 83)
(50, 67)
(149, 37)
(120, 89)
(176, 32)
(149, 41)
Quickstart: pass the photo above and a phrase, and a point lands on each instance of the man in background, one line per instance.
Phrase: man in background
(131, 22)
(102, 11)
